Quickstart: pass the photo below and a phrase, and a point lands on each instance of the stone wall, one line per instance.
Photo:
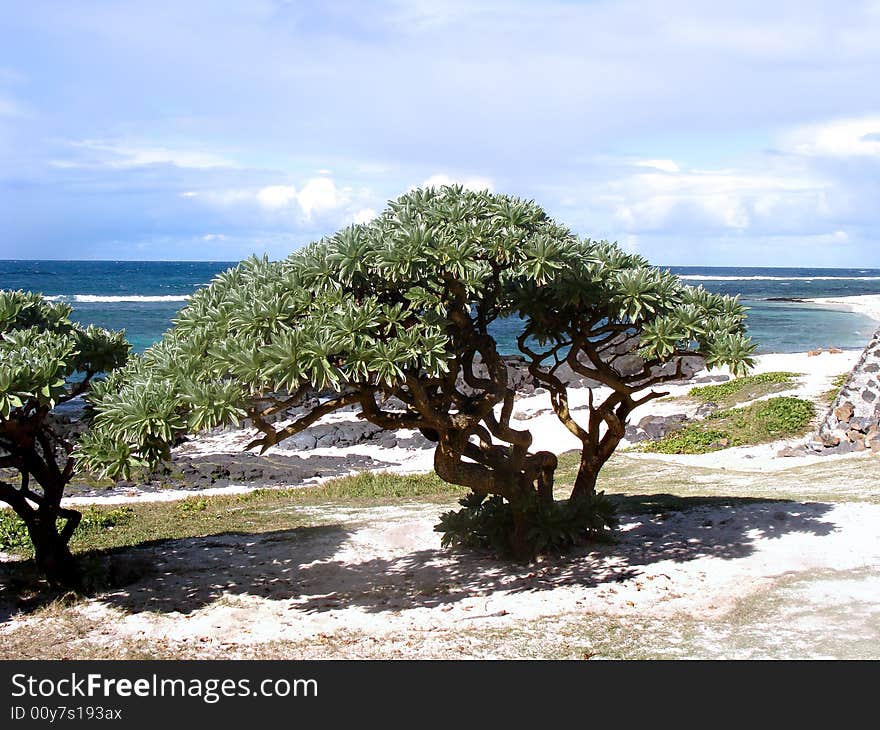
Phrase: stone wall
(853, 421)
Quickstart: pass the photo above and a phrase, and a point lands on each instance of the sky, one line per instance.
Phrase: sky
(729, 134)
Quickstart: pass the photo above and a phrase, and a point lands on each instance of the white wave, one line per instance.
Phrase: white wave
(96, 298)
(706, 277)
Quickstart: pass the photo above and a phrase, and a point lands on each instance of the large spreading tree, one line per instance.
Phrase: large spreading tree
(45, 360)
(395, 318)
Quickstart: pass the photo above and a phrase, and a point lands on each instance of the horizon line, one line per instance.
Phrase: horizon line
(236, 261)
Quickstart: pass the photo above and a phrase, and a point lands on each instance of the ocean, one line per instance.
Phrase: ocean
(143, 296)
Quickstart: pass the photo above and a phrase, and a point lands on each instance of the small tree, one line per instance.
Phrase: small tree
(45, 360)
(394, 318)
(625, 325)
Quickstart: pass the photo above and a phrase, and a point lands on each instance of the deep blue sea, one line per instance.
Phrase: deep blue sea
(143, 297)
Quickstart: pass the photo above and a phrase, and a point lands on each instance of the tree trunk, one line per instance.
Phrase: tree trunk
(51, 551)
(521, 547)
(547, 463)
(588, 474)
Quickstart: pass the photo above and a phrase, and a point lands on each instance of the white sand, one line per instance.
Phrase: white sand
(867, 304)
(383, 589)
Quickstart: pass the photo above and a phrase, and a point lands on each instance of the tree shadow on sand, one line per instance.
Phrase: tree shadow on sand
(183, 574)
(186, 575)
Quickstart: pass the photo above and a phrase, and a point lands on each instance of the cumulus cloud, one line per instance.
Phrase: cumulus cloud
(364, 215)
(320, 194)
(273, 197)
(840, 138)
(319, 204)
(693, 198)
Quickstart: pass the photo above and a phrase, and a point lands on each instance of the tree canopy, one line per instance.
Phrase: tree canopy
(394, 318)
(45, 360)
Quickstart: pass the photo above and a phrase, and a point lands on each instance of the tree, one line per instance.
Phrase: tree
(45, 360)
(612, 318)
(394, 318)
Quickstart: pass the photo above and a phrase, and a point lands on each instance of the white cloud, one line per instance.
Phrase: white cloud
(124, 155)
(214, 237)
(725, 198)
(364, 215)
(839, 138)
(319, 194)
(273, 197)
(320, 204)
(470, 183)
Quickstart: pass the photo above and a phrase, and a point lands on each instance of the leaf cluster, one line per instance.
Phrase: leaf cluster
(45, 358)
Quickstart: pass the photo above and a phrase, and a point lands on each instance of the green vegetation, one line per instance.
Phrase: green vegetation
(256, 511)
(758, 423)
(487, 523)
(13, 532)
(837, 383)
(399, 311)
(746, 388)
(45, 360)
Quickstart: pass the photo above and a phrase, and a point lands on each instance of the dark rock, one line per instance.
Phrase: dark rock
(705, 409)
(301, 442)
(869, 396)
(656, 427)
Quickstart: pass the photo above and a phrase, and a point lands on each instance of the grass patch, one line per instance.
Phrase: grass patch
(837, 383)
(741, 390)
(13, 534)
(366, 488)
(261, 510)
(758, 423)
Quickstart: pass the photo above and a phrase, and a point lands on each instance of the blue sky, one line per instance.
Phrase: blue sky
(696, 133)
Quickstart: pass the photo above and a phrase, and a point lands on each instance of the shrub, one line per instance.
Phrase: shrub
(742, 386)
(486, 523)
(758, 423)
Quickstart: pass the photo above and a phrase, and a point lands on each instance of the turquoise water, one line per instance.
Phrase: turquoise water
(143, 297)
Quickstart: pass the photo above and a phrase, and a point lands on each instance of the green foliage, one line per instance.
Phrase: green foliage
(837, 383)
(692, 439)
(758, 423)
(487, 523)
(44, 357)
(14, 535)
(192, 504)
(13, 532)
(743, 388)
(364, 487)
(389, 307)
(95, 519)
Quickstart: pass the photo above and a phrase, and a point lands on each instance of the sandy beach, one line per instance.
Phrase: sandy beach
(868, 304)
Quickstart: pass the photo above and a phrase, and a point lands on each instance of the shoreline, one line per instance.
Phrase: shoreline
(864, 304)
